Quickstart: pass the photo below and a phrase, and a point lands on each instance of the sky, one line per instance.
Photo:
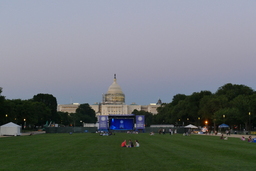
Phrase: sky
(157, 49)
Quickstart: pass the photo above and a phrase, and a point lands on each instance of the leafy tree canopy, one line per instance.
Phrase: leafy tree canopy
(51, 102)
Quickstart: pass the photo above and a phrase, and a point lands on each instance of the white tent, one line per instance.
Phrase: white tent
(10, 129)
(190, 126)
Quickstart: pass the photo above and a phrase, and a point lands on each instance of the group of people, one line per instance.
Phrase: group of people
(223, 138)
(151, 133)
(249, 139)
(130, 144)
(171, 131)
(132, 132)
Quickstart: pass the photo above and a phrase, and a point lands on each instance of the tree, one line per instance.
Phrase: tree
(15, 111)
(227, 115)
(43, 113)
(242, 104)
(2, 110)
(51, 102)
(148, 116)
(209, 105)
(231, 91)
(166, 112)
(85, 114)
(193, 105)
(177, 98)
(26, 112)
(65, 118)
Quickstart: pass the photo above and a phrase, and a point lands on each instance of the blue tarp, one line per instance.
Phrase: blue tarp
(223, 126)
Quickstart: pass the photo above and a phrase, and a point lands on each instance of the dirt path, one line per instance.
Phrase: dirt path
(231, 135)
(28, 133)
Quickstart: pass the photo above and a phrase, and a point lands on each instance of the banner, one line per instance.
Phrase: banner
(140, 121)
(103, 122)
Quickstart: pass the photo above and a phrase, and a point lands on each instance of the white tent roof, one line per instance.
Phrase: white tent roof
(191, 126)
(10, 129)
(10, 124)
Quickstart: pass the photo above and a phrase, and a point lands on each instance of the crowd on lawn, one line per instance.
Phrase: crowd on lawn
(249, 139)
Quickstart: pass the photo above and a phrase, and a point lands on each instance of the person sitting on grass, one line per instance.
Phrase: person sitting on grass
(221, 137)
(137, 143)
(123, 144)
(250, 139)
(130, 144)
(242, 138)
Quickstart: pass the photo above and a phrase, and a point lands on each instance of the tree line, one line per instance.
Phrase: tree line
(41, 110)
(231, 104)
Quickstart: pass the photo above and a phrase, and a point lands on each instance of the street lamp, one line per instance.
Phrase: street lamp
(249, 121)
(24, 123)
(206, 126)
(224, 118)
(198, 120)
(6, 118)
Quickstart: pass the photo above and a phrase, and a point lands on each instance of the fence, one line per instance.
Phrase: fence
(70, 129)
(94, 129)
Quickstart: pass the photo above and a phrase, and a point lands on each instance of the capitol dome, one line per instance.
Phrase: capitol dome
(114, 88)
(115, 94)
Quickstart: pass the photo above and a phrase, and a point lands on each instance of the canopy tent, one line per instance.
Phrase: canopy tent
(223, 126)
(191, 126)
(10, 129)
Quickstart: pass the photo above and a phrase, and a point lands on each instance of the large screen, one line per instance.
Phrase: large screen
(121, 124)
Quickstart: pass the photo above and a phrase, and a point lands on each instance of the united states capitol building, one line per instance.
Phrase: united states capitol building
(113, 103)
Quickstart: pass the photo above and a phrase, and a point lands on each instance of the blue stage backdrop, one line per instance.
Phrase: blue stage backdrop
(140, 122)
(121, 124)
(103, 122)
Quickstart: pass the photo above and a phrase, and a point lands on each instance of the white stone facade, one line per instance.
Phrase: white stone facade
(113, 103)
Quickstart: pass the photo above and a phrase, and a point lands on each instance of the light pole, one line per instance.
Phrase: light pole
(24, 123)
(6, 118)
(214, 124)
(206, 125)
(224, 118)
(249, 121)
(198, 121)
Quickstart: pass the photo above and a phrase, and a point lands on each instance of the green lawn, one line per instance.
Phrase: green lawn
(89, 151)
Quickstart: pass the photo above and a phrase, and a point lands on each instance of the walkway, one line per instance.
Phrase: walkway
(28, 133)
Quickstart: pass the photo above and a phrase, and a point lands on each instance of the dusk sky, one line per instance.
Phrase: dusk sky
(157, 49)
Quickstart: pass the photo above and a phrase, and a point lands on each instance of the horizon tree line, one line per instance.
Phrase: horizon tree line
(231, 104)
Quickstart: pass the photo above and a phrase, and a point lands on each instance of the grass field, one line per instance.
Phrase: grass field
(89, 151)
